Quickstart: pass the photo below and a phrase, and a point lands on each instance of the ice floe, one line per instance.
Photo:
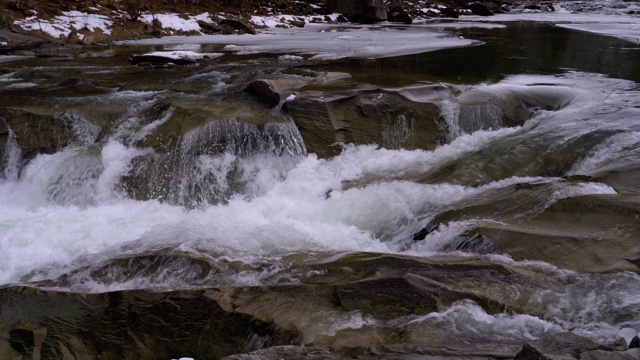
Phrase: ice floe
(326, 41)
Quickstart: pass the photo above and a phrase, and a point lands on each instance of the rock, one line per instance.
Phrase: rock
(209, 28)
(449, 12)
(298, 23)
(479, 9)
(510, 105)
(565, 346)
(396, 13)
(631, 354)
(380, 297)
(273, 91)
(476, 243)
(635, 342)
(362, 11)
(142, 60)
(242, 27)
(16, 42)
(396, 352)
(57, 50)
(128, 325)
(393, 118)
(265, 91)
(578, 233)
(23, 53)
(36, 133)
(4, 127)
(215, 321)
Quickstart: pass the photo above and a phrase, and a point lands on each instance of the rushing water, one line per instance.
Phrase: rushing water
(236, 192)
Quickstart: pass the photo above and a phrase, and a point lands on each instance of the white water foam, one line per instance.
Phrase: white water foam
(612, 152)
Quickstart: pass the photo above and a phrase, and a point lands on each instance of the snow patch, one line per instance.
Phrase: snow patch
(64, 24)
(175, 21)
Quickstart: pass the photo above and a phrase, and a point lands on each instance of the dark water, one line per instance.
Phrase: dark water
(519, 48)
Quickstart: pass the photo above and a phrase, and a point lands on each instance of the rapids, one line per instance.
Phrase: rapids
(251, 197)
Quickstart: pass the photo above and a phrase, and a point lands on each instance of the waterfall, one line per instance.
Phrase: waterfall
(398, 132)
(216, 161)
(450, 112)
(11, 158)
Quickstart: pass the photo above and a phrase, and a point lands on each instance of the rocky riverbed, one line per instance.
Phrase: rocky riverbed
(324, 188)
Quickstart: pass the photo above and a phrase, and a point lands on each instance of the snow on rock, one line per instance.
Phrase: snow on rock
(176, 22)
(64, 24)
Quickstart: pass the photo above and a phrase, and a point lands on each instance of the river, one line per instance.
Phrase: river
(555, 196)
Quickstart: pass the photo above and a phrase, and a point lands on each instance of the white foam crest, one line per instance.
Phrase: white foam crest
(611, 150)
(579, 189)
(466, 321)
(360, 161)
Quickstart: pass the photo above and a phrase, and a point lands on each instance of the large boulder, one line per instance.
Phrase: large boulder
(362, 11)
(393, 118)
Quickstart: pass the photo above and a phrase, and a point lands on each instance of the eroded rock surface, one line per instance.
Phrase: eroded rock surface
(392, 118)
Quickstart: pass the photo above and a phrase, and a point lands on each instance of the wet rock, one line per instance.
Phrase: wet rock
(210, 28)
(396, 13)
(593, 233)
(264, 91)
(128, 325)
(509, 105)
(565, 345)
(36, 133)
(635, 342)
(475, 243)
(393, 118)
(390, 298)
(4, 127)
(299, 305)
(449, 12)
(57, 50)
(17, 42)
(396, 352)
(479, 9)
(238, 25)
(632, 354)
(362, 11)
(142, 60)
